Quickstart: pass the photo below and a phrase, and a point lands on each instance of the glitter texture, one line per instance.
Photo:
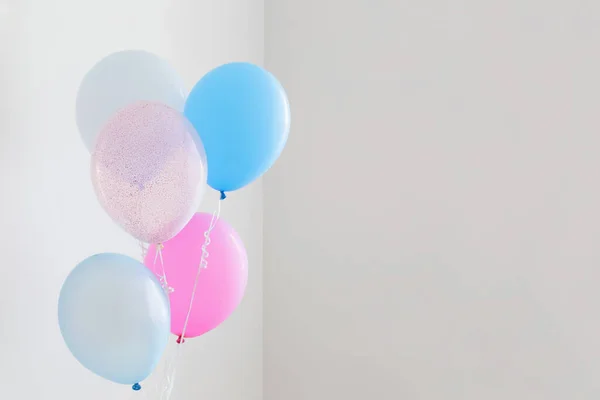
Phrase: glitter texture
(149, 170)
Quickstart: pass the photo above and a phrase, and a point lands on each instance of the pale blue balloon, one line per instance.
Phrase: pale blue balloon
(114, 317)
(121, 79)
(242, 115)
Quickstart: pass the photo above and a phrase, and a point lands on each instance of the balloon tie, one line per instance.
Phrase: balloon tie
(223, 195)
(136, 387)
(203, 264)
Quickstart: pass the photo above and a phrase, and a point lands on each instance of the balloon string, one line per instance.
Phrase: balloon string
(203, 265)
(170, 368)
(169, 378)
(144, 249)
(163, 274)
(168, 382)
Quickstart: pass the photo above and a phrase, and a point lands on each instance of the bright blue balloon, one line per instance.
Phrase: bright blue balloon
(114, 317)
(242, 116)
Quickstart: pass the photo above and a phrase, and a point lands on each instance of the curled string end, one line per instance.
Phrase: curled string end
(223, 195)
(136, 387)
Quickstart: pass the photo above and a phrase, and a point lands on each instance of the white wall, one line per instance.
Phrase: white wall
(50, 218)
(431, 230)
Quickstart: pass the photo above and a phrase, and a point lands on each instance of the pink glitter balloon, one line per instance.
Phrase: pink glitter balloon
(149, 170)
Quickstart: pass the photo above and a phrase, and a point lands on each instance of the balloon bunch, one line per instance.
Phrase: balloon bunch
(153, 151)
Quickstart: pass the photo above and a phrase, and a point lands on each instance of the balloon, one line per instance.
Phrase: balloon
(242, 115)
(114, 317)
(221, 285)
(121, 79)
(149, 171)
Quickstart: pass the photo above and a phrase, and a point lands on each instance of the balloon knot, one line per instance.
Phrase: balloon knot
(180, 339)
(223, 196)
(136, 387)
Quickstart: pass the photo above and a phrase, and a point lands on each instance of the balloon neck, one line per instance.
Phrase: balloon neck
(180, 339)
(223, 195)
(136, 387)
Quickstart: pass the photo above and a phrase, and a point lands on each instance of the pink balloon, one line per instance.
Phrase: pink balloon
(149, 170)
(221, 285)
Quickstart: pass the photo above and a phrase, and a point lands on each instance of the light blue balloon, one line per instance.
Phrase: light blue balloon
(242, 115)
(121, 79)
(114, 317)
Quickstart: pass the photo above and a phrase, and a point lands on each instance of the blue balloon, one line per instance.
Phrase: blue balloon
(114, 317)
(242, 115)
(121, 79)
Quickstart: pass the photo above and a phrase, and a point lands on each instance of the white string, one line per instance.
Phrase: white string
(166, 387)
(163, 273)
(144, 249)
(203, 265)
